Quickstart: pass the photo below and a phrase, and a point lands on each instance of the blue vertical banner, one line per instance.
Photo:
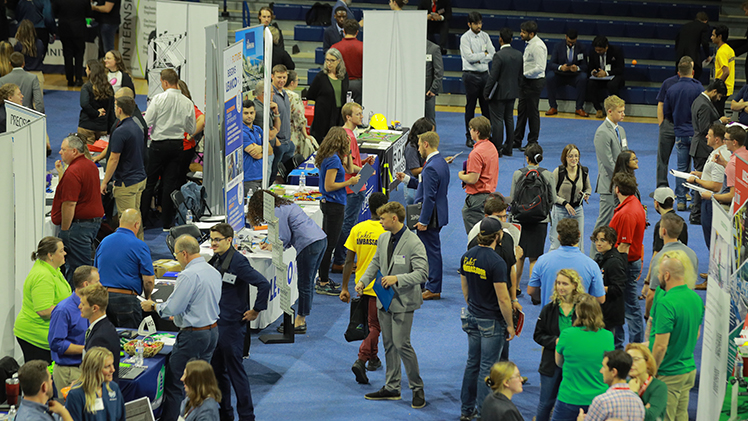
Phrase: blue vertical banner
(232, 124)
(252, 47)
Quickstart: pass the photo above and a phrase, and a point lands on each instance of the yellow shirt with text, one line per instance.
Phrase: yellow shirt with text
(363, 241)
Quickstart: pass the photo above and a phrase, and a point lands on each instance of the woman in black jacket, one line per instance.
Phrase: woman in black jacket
(613, 265)
(97, 104)
(554, 317)
(117, 72)
(328, 90)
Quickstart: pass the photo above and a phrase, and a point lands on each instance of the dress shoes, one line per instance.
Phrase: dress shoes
(600, 114)
(359, 369)
(552, 111)
(703, 275)
(506, 151)
(428, 295)
(701, 286)
(383, 394)
(374, 365)
(581, 113)
(419, 400)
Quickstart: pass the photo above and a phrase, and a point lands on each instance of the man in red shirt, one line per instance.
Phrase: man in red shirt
(77, 206)
(481, 173)
(352, 51)
(629, 221)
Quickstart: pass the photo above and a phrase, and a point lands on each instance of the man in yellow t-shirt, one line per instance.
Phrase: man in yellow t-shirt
(724, 63)
(362, 243)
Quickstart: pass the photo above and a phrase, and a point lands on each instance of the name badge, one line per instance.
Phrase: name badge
(229, 278)
(607, 67)
(624, 143)
(580, 56)
(98, 404)
(429, 58)
(399, 260)
(181, 418)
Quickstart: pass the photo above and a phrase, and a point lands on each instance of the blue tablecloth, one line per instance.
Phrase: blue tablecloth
(150, 382)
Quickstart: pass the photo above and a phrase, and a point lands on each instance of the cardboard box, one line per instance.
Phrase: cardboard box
(166, 265)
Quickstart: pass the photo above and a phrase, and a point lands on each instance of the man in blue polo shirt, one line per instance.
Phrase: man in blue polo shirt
(568, 256)
(666, 136)
(67, 330)
(126, 163)
(126, 269)
(252, 135)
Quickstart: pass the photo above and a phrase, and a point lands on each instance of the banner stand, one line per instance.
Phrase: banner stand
(287, 337)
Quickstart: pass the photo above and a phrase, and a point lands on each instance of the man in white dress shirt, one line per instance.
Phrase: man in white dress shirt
(477, 51)
(533, 81)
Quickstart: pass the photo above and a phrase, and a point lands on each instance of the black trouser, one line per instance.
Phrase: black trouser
(598, 90)
(474, 84)
(43, 35)
(527, 110)
(502, 119)
(163, 162)
(698, 165)
(440, 27)
(33, 352)
(72, 51)
(332, 223)
(665, 145)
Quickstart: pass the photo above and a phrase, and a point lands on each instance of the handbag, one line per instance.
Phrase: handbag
(358, 326)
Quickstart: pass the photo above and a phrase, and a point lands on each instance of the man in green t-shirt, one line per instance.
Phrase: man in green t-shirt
(677, 315)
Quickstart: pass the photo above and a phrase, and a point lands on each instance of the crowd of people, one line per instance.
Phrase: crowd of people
(75, 296)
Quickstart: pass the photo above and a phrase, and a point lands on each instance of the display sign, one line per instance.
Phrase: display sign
(741, 182)
(232, 105)
(138, 21)
(252, 47)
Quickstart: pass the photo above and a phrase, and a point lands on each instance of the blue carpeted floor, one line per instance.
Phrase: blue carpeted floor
(312, 380)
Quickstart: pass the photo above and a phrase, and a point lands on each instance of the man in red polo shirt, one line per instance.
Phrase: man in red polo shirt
(352, 51)
(629, 221)
(481, 172)
(77, 207)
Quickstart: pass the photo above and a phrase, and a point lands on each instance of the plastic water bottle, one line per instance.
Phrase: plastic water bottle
(302, 180)
(250, 192)
(189, 217)
(349, 97)
(139, 353)
(12, 413)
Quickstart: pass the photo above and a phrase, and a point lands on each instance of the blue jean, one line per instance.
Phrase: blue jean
(557, 214)
(634, 317)
(567, 412)
(124, 310)
(108, 33)
(353, 203)
(548, 392)
(486, 338)
(280, 153)
(619, 336)
(307, 265)
(682, 149)
(227, 365)
(78, 241)
(197, 344)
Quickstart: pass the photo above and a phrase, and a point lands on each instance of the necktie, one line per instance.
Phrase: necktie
(618, 134)
(433, 6)
(342, 34)
(602, 61)
(571, 55)
(391, 248)
(88, 333)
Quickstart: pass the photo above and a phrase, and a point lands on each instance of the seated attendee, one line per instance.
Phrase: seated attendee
(27, 82)
(252, 136)
(280, 55)
(67, 330)
(568, 67)
(505, 381)
(202, 392)
(651, 390)
(37, 404)
(606, 61)
(352, 50)
(334, 33)
(94, 396)
(619, 402)
(101, 332)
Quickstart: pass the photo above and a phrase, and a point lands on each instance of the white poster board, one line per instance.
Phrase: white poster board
(138, 21)
(395, 64)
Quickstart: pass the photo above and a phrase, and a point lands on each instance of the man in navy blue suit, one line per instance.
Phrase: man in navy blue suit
(568, 67)
(432, 194)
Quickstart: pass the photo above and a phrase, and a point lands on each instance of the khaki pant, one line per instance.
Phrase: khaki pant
(90, 136)
(678, 390)
(63, 376)
(128, 197)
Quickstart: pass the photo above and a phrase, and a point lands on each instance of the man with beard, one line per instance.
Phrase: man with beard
(37, 403)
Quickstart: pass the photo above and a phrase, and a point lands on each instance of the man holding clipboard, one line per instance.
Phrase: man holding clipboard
(431, 193)
(401, 259)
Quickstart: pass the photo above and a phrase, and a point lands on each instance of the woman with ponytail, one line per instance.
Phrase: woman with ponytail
(94, 396)
(505, 382)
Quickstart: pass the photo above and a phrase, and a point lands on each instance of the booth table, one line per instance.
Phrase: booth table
(149, 383)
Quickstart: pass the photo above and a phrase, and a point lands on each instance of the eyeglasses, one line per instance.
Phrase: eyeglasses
(217, 240)
(176, 253)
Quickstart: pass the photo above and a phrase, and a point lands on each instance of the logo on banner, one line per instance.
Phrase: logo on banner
(290, 272)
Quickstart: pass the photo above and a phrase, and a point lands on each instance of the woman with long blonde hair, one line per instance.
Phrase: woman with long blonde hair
(95, 396)
(505, 381)
(557, 316)
(203, 394)
(5, 51)
(579, 353)
(28, 44)
(652, 391)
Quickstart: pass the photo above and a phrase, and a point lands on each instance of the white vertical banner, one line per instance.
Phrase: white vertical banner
(7, 250)
(395, 64)
(138, 21)
(233, 137)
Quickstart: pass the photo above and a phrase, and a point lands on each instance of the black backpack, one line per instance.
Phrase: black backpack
(532, 199)
(319, 15)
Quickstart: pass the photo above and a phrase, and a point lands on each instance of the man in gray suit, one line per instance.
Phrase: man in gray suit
(610, 140)
(502, 88)
(401, 260)
(29, 84)
(434, 76)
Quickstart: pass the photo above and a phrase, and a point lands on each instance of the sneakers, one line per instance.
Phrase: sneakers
(419, 401)
(331, 288)
(384, 394)
(360, 371)
(681, 207)
(468, 417)
(373, 365)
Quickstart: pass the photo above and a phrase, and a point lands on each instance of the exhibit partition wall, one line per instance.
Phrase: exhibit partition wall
(22, 187)
(216, 40)
(180, 44)
(395, 64)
